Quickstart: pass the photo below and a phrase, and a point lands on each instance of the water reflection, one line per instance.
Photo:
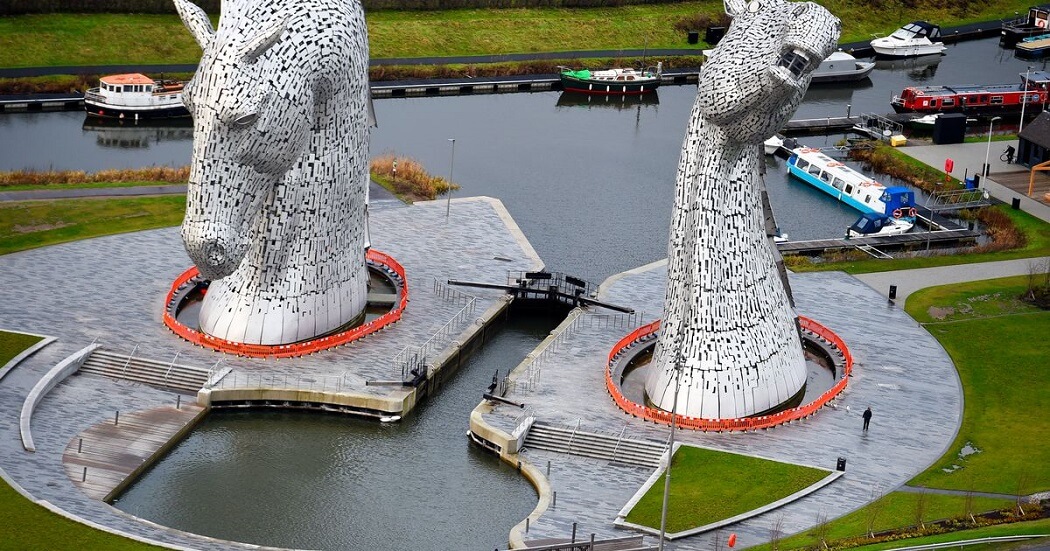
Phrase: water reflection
(919, 69)
(137, 134)
(579, 99)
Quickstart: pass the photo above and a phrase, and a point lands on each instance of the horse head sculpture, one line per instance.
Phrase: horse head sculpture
(275, 211)
(729, 340)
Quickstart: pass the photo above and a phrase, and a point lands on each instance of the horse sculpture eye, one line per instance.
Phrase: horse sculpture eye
(245, 120)
(754, 6)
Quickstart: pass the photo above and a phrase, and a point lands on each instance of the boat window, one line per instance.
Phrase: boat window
(630, 78)
(867, 198)
(801, 164)
(997, 100)
(948, 102)
(149, 88)
(925, 103)
(836, 183)
(619, 77)
(825, 176)
(813, 169)
(849, 188)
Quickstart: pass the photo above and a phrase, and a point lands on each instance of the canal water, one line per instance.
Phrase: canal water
(331, 481)
(590, 184)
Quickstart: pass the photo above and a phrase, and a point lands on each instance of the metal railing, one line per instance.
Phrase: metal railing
(410, 358)
(452, 295)
(285, 381)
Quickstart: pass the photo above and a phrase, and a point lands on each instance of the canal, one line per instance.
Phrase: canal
(590, 185)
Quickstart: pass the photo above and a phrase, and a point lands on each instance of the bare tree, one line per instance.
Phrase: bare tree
(821, 528)
(874, 508)
(1022, 489)
(920, 508)
(776, 530)
(968, 503)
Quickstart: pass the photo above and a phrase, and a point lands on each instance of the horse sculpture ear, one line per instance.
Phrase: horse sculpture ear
(196, 21)
(734, 7)
(262, 41)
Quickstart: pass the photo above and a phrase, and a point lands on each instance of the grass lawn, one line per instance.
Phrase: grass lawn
(894, 510)
(998, 345)
(1041, 526)
(98, 39)
(93, 185)
(708, 486)
(1036, 231)
(31, 224)
(29, 526)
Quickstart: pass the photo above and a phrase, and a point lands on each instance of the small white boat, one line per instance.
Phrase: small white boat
(773, 144)
(872, 224)
(842, 67)
(856, 190)
(914, 39)
(135, 96)
(925, 122)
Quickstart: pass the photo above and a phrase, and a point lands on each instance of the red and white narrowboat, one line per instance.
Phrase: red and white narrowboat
(134, 97)
(976, 99)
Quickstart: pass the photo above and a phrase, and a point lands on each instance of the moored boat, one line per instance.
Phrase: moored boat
(842, 67)
(857, 190)
(612, 81)
(1035, 23)
(1034, 46)
(135, 96)
(914, 39)
(873, 224)
(976, 99)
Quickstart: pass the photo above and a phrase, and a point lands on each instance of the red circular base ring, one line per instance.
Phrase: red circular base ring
(726, 425)
(294, 349)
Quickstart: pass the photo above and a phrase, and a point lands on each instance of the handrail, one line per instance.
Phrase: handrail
(618, 440)
(171, 366)
(124, 371)
(412, 356)
(382, 260)
(573, 436)
(729, 424)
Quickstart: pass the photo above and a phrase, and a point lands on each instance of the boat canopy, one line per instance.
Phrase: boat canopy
(917, 29)
(870, 222)
(583, 74)
(898, 198)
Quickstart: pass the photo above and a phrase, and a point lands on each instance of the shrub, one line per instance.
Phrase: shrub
(411, 179)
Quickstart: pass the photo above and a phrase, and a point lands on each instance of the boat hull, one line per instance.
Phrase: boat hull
(985, 111)
(837, 194)
(107, 111)
(908, 51)
(861, 72)
(570, 84)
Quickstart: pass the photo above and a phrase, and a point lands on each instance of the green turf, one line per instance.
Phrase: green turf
(31, 224)
(97, 39)
(1036, 231)
(999, 348)
(92, 185)
(708, 486)
(895, 510)
(1040, 527)
(27, 526)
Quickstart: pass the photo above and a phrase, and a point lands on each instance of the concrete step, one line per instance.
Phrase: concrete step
(119, 372)
(600, 446)
(143, 370)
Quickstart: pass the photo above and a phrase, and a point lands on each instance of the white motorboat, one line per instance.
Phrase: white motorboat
(773, 144)
(873, 224)
(914, 39)
(842, 67)
(135, 96)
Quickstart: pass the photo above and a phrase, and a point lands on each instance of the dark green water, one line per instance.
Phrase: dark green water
(325, 481)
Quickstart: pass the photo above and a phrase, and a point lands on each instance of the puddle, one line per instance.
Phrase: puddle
(952, 469)
(968, 449)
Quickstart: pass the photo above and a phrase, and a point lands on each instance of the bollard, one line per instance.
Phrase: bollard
(116, 418)
(591, 548)
(848, 107)
(526, 525)
(84, 478)
(178, 401)
(893, 292)
(554, 501)
(548, 468)
(80, 445)
(573, 532)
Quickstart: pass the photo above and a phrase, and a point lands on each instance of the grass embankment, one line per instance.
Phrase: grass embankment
(708, 486)
(998, 344)
(32, 224)
(28, 526)
(407, 179)
(100, 39)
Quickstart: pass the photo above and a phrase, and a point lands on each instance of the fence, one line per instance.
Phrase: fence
(375, 258)
(299, 382)
(412, 359)
(735, 424)
(448, 293)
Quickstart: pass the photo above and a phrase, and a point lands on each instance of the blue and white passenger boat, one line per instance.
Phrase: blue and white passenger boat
(888, 210)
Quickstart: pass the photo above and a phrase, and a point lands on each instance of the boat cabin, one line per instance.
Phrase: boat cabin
(917, 29)
(135, 89)
(899, 201)
(976, 98)
(870, 223)
(1036, 22)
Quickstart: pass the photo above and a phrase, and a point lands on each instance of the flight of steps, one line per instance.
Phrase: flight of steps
(646, 453)
(159, 374)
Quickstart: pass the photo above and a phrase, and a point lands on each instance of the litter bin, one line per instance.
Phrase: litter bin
(693, 37)
(714, 35)
(841, 466)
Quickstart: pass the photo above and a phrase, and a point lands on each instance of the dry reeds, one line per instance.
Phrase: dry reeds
(54, 177)
(411, 179)
(1002, 231)
(881, 159)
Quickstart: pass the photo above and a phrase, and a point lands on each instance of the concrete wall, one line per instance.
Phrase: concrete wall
(64, 369)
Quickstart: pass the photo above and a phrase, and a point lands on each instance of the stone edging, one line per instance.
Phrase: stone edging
(44, 341)
(620, 522)
(64, 369)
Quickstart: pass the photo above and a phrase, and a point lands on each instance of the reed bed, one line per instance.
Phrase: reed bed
(1003, 233)
(165, 174)
(411, 180)
(886, 160)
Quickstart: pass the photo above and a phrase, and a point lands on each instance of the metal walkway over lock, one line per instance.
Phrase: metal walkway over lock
(554, 286)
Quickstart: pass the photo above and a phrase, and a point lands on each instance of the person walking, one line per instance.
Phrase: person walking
(867, 418)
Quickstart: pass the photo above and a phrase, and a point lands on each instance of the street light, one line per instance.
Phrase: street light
(1024, 99)
(451, 165)
(988, 150)
(670, 447)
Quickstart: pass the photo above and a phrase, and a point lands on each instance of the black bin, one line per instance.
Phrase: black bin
(949, 128)
(714, 35)
(841, 466)
(1015, 203)
(693, 37)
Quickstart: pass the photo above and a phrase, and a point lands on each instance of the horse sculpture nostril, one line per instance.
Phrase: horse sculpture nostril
(794, 61)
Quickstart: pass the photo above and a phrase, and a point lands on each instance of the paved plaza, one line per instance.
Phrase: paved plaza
(900, 371)
(111, 290)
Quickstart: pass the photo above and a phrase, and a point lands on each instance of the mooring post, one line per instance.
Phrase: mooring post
(591, 548)
(84, 477)
(178, 401)
(548, 468)
(116, 418)
(573, 533)
(554, 501)
(80, 445)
